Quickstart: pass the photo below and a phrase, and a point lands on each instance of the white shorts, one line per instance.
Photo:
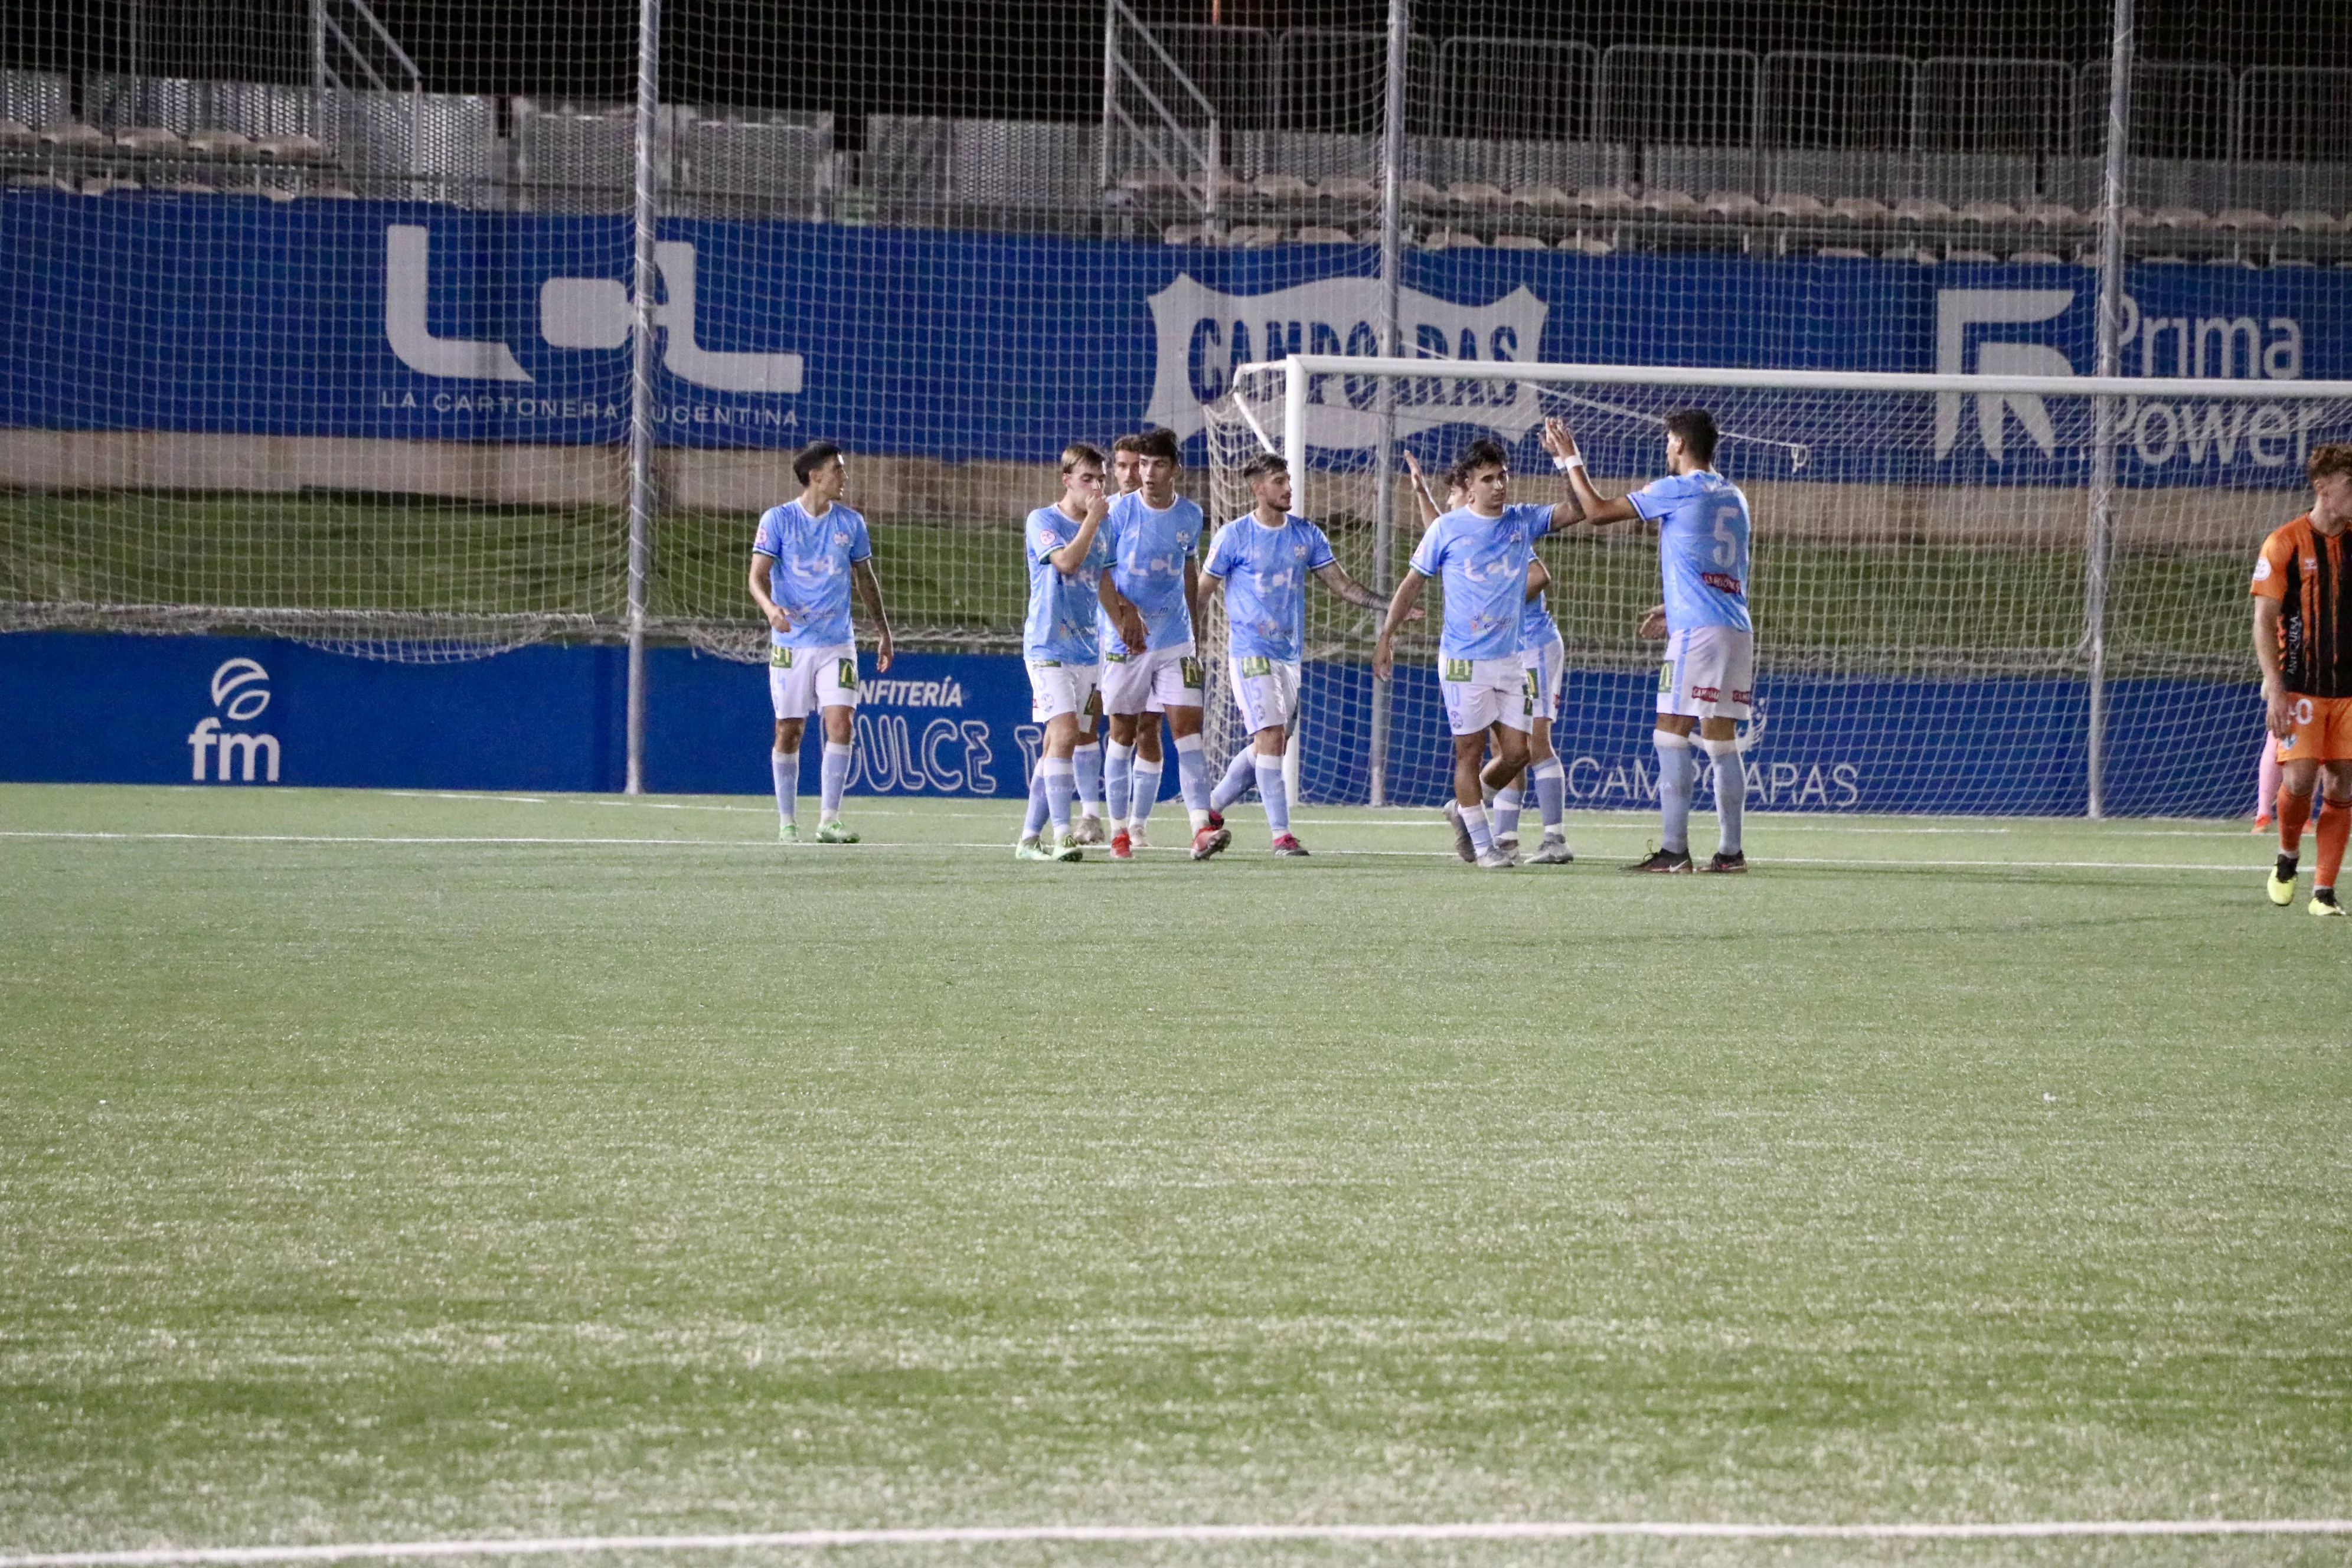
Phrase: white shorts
(1062, 685)
(1484, 691)
(1266, 691)
(1709, 673)
(1152, 682)
(1548, 664)
(802, 679)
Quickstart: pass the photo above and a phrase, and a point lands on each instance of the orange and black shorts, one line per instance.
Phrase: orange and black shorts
(2323, 729)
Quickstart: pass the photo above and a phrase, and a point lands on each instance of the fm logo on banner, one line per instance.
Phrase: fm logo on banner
(1204, 335)
(241, 691)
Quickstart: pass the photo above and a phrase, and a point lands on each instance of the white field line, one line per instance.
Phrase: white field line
(1000, 848)
(976, 1535)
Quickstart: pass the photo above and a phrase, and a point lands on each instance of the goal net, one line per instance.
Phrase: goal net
(1952, 614)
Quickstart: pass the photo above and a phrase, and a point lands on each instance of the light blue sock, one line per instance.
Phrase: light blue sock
(785, 766)
(1272, 790)
(1145, 785)
(1506, 812)
(1192, 776)
(1086, 764)
(1060, 784)
(1239, 774)
(1119, 772)
(1473, 817)
(1551, 795)
(1730, 792)
(1677, 771)
(1034, 822)
(835, 779)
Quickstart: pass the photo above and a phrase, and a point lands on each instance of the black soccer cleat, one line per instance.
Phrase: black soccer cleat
(1665, 862)
(1734, 864)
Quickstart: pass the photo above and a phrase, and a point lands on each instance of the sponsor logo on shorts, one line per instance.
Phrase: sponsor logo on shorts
(1110, 658)
(780, 657)
(1742, 698)
(1455, 669)
(1187, 671)
(1705, 693)
(1666, 679)
(1046, 663)
(847, 676)
(1257, 663)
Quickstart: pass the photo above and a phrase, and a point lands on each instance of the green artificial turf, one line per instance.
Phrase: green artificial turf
(1894, 609)
(379, 1166)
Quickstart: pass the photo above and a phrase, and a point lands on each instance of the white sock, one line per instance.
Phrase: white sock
(1506, 812)
(1240, 774)
(786, 768)
(835, 779)
(1060, 784)
(1551, 795)
(1086, 764)
(1275, 790)
(1677, 770)
(1473, 817)
(1192, 778)
(1118, 768)
(1730, 792)
(1145, 785)
(1034, 822)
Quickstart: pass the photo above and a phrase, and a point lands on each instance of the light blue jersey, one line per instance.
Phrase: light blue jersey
(1702, 522)
(811, 577)
(1062, 609)
(1148, 551)
(1265, 571)
(1536, 628)
(1482, 564)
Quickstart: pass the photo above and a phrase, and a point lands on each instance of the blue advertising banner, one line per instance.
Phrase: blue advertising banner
(414, 321)
(251, 712)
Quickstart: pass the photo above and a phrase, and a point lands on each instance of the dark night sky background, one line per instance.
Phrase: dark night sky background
(1042, 60)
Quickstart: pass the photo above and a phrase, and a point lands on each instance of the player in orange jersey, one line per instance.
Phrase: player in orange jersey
(2303, 636)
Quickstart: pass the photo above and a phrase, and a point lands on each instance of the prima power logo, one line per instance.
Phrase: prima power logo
(240, 694)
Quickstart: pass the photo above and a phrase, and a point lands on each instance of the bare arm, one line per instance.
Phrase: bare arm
(1652, 627)
(1539, 577)
(2278, 709)
(869, 589)
(1422, 501)
(1073, 555)
(761, 565)
(1335, 577)
(1590, 506)
(1192, 596)
(1124, 616)
(1401, 610)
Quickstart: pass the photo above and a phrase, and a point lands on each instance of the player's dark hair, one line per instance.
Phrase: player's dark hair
(1264, 463)
(811, 457)
(1479, 454)
(1079, 452)
(1127, 443)
(1158, 442)
(2333, 457)
(1697, 428)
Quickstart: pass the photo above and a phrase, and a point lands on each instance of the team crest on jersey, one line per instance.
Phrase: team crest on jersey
(2262, 569)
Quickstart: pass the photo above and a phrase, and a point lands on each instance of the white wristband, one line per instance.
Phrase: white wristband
(1573, 460)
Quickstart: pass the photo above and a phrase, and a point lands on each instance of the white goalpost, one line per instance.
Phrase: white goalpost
(2010, 594)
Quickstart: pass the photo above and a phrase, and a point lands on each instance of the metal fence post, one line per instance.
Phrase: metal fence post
(2100, 537)
(1393, 128)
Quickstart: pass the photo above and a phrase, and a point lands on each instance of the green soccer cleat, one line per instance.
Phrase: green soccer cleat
(834, 833)
(1030, 849)
(2323, 902)
(1065, 850)
(2281, 886)
(788, 832)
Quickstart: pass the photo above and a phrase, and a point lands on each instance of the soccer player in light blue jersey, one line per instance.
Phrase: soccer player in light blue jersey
(1151, 662)
(1480, 553)
(1263, 560)
(1066, 557)
(807, 555)
(1709, 674)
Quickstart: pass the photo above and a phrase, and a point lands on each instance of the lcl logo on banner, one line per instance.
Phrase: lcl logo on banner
(241, 691)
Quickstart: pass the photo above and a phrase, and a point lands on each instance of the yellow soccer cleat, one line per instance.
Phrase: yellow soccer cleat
(2281, 887)
(2323, 902)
